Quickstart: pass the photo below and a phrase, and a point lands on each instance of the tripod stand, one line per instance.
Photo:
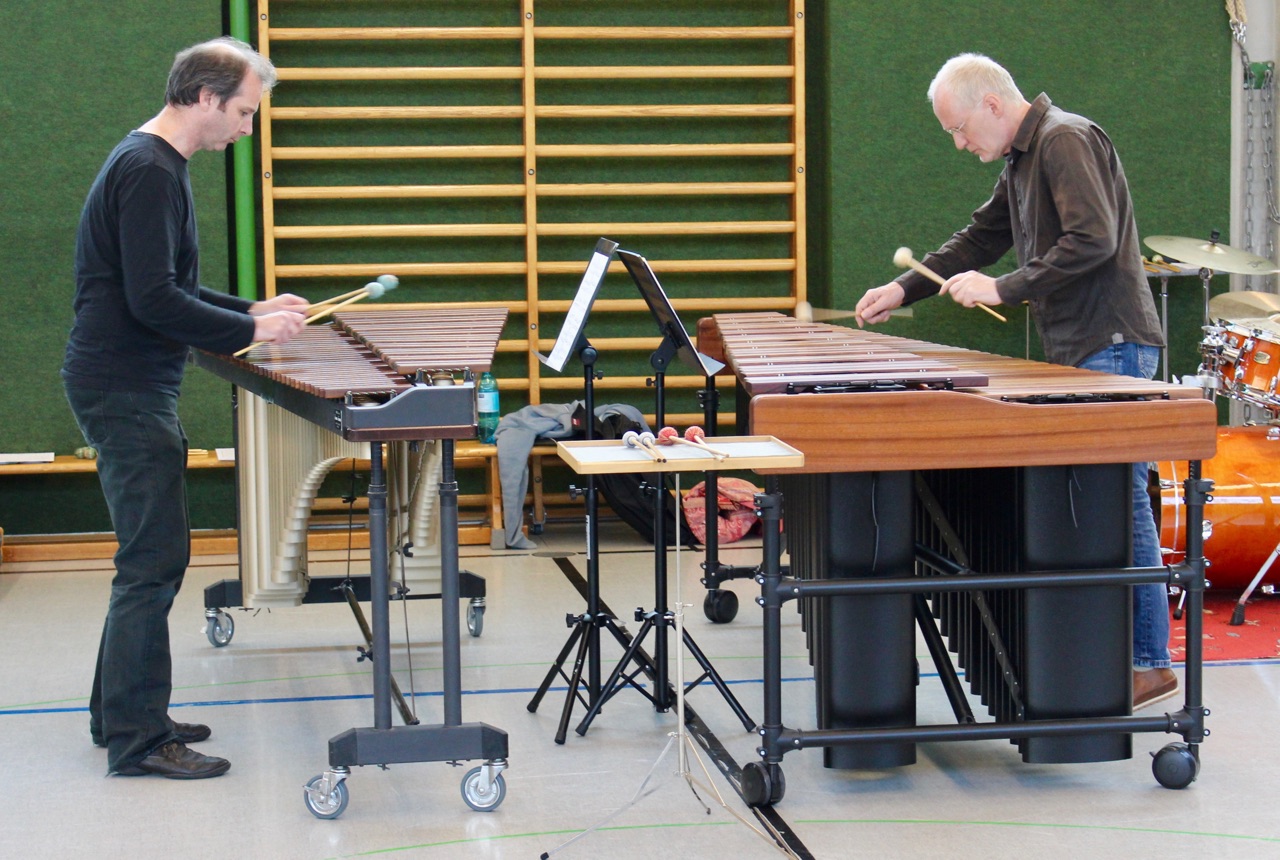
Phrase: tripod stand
(585, 628)
(685, 747)
(660, 618)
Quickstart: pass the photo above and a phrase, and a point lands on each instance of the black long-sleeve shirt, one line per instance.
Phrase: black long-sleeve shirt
(139, 305)
(1062, 202)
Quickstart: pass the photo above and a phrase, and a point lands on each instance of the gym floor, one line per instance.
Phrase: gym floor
(289, 680)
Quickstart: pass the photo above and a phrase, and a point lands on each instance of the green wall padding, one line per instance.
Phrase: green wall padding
(79, 76)
(1158, 81)
(880, 172)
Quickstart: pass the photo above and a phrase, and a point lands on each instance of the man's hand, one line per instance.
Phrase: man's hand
(876, 303)
(277, 327)
(971, 288)
(282, 302)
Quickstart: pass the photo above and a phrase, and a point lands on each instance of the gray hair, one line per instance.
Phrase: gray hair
(219, 65)
(969, 77)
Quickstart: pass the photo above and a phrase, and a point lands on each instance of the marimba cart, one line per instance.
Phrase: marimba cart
(376, 377)
(984, 499)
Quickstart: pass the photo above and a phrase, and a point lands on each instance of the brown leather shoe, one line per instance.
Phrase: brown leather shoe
(187, 733)
(174, 761)
(1154, 685)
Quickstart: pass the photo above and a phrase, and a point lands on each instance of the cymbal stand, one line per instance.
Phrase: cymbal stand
(684, 745)
(1164, 325)
(660, 618)
(585, 628)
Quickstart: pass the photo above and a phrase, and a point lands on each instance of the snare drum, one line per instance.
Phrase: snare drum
(1242, 520)
(1248, 362)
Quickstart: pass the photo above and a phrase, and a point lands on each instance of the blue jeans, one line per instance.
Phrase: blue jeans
(142, 458)
(1150, 602)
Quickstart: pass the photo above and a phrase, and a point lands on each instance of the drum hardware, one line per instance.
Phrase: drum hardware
(1158, 268)
(1242, 360)
(1237, 614)
(1239, 527)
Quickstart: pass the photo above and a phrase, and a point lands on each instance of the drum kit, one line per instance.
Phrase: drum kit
(1240, 359)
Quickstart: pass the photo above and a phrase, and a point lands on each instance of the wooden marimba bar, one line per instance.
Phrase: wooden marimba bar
(436, 340)
(933, 476)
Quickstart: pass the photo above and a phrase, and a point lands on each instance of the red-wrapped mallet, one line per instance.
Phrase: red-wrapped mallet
(696, 436)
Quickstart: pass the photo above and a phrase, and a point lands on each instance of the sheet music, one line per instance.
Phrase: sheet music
(576, 318)
(665, 315)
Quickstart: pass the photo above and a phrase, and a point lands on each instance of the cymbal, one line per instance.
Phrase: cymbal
(1211, 255)
(1243, 305)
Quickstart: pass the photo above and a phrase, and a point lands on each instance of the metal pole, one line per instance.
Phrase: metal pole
(379, 588)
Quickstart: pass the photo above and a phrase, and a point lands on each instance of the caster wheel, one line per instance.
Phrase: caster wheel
(219, 628)
(778, 784)
(475, 619)
(535, 528)
(481, 797)
(321, 807)
(756, 785)
(720, 606)
(1175, 766)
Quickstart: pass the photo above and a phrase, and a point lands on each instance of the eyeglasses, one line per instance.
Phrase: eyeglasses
(960, 128)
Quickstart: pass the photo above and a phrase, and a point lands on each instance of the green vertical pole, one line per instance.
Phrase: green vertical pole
(242, 163)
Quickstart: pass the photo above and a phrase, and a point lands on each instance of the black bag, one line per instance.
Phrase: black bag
(621, 490)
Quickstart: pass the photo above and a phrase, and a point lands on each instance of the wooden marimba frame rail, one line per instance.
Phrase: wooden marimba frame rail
(1028, 420)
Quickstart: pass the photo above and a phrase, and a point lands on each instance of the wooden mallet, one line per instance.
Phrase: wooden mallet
(671, 436)
(695, 435)
(389, 282)
(648, 443)
(372, 290)
(902, 259)
(632, 440)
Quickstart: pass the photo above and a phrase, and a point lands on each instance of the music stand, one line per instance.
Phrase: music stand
(584, 628)
(753, 452)
(675, 344)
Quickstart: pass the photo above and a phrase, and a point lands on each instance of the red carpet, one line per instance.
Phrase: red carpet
(1258, 637)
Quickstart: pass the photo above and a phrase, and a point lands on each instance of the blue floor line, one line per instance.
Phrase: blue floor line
(284, 700)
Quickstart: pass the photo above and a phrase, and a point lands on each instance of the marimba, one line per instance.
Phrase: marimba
(372, 377)
(304, 407)
(987, 499)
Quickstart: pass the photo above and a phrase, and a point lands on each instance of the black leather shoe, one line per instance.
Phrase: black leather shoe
(187, 733)
(191, 733)
(174, 761)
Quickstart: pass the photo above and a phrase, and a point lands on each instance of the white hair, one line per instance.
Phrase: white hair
(969, 77)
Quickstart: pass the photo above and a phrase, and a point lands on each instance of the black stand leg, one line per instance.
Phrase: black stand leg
(584, 628)
(660, 618)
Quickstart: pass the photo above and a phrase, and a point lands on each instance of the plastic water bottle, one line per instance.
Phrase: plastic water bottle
(488, 407)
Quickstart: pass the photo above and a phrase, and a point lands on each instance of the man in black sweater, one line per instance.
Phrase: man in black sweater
(139, 308)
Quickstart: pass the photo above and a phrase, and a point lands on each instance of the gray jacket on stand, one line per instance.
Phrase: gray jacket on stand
(515, 438)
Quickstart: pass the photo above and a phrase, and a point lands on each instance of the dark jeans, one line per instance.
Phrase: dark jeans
(142, 458)
(1151, 601)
